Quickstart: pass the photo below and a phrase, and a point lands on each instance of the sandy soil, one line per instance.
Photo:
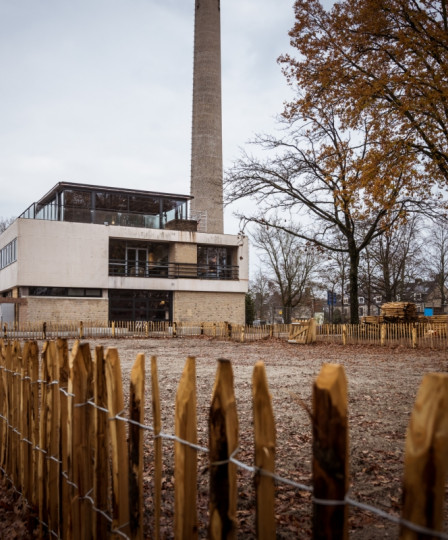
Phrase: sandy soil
(382, 386)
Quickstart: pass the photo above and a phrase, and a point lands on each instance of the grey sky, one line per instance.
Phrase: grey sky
(99, 91)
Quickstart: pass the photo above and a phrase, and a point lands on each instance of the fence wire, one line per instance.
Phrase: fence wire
(348, 500)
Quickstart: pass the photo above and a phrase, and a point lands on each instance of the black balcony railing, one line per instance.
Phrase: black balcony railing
(172, 270)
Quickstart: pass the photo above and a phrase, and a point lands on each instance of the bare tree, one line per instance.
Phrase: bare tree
(260, 288)
(355, 185)
(437, 256)
(291, 263)
(396, 259)
(5, 223)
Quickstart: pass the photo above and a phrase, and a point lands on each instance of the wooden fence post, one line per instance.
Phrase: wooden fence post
(26, 450)
(264, 442)
(426, 458)
(117, 430)
(33, 369)
(242, 336)
(64, 372)
(16, 357)
(223, 431)
(383, 335)
(113, 329)
(136, 414)
(80, 436)
(101, 473)
(3, 407)
(157, 446)
(81, 330)
(330, 454)
(311, 333)
(344, 334)
(49, 470)
(174, 329)
(185, 457)
(414, 337)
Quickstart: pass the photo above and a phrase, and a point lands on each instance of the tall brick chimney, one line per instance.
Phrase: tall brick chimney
(206, 146)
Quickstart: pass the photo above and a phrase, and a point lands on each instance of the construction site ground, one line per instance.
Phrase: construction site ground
(382, 386)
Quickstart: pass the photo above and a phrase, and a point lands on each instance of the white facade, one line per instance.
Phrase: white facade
(75, 257)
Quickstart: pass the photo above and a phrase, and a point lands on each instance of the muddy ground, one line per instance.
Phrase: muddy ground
(382, 386)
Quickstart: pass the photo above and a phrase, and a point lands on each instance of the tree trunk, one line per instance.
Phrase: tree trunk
(353, 279)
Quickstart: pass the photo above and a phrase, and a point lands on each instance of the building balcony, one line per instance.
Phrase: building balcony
(122, 268)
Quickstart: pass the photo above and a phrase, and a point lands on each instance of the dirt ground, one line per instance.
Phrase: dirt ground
(382, 385)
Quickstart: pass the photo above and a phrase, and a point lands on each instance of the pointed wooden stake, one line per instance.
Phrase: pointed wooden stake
(185, 457)
(117, 430)
(426, 457)
(330, 453)
(137, 414)
(264, 434)
(157, 447)
(223, 430)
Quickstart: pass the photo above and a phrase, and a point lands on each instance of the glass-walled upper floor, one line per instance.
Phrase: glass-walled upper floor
(93, 204)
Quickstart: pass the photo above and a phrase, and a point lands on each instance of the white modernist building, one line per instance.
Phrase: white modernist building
(92, 253)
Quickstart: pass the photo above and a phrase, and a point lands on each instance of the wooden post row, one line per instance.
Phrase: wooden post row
(330, 454)
(185, 457)
(223, 441)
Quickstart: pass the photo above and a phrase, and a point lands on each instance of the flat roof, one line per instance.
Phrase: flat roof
(60, 186)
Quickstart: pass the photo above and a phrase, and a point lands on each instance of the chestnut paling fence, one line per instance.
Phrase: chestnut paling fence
(70, 448)
(413, 335)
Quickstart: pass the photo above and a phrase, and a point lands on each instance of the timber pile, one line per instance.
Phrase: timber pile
(372, 319)
(399, 312)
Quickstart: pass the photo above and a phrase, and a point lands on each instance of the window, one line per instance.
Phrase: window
(378, 299)
(65, 291)
(398, 297)
(8, 254)
(361, 299)
(417, 296)
(214, 261)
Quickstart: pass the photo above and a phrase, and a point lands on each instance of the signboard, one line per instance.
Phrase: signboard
(331, 298)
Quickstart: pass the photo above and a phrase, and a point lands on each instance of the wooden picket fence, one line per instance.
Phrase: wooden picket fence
(410, 335)
(143, 329)
(68, 446)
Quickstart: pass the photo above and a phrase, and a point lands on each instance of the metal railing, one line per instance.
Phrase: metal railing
(123, 268)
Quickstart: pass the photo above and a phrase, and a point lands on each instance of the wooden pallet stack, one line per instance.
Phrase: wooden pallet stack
(399, 312)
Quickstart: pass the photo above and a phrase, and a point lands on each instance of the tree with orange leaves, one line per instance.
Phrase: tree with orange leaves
(386, 58)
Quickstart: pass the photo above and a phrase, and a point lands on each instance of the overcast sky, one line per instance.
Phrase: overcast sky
(99, 91)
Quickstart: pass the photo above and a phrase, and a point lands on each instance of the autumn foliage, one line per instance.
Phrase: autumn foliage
(384, 58)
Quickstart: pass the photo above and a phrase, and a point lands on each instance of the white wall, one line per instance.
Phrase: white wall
(63, 254)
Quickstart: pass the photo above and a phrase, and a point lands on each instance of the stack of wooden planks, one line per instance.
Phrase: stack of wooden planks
(399, 312)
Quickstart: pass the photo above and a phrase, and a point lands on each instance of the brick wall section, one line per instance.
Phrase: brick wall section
(64, 310)
(183, 253)
(209, 307)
